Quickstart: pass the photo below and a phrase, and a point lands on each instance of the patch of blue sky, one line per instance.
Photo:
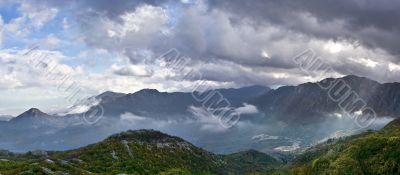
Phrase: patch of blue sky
(9, 11)
(174, 12)
(10, 41)
(92, 60)
(70, 46)
(51, 27)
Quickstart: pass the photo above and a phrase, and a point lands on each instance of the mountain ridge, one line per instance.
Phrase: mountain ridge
(159, 104)
(286, 114)
(310, 100)
(137, 152)
(33, 113)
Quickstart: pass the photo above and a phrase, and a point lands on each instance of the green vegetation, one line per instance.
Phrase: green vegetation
(136, 152)
(251, 162)
(368, 153)
(152, 152)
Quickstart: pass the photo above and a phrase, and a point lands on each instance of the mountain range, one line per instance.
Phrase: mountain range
(163, 105)
(285, 119)
(311, 102)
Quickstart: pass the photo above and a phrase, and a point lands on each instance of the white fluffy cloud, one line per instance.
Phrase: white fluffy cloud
(22, 65)
(131, 70)
(136, 29)
(247, 109)
(227, 47)
(38, 15)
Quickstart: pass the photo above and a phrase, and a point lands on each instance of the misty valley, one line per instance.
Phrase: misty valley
(279, 124)
(200, 87)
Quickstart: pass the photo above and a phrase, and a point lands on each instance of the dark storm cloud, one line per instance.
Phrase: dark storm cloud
(374, 23)
(108, 8)
(232, 38)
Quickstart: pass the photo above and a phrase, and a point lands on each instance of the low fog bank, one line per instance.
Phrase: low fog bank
(253, 131)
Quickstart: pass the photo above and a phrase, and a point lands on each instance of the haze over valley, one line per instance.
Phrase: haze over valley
(288, 87)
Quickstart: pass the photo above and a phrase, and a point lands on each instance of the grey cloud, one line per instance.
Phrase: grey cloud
(108, 8)
(225, 39)
(132, 70)
(357, 17)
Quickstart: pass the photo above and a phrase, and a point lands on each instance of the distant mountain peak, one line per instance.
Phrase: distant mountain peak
(257, 86)
(148, 91)
(31, 113)
(348, 78)
(352, 77)
(109, 93)
(352, 80)
(34, 111)
(356, 78)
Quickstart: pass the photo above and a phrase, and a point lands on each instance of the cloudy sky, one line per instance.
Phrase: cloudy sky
(53, 51)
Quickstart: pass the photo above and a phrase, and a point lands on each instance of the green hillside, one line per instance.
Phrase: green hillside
(370, 153)
(136, 152)
(153, 152)
(251, 161)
